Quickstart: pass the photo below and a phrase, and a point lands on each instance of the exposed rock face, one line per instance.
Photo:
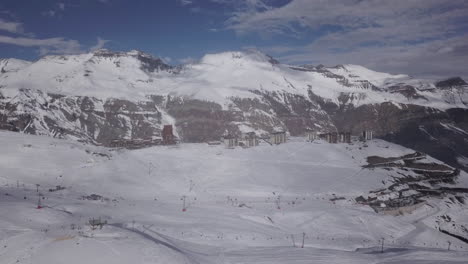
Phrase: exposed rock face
(451, 82)
(92, 120)
(83, 118)
(298, 113)
(407, 90)
(148, 62)
(200, 121)
(443, 135)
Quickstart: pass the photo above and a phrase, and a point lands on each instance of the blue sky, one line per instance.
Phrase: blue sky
(419, 37)
(176, 30)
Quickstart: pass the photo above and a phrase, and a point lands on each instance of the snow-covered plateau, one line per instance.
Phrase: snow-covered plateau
(195, 203)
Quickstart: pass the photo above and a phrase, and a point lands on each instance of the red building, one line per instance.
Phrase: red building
(168, 135)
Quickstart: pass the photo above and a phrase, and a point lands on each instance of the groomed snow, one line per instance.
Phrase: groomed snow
(232, 198)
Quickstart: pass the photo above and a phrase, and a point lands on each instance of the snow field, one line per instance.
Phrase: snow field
(232, 200)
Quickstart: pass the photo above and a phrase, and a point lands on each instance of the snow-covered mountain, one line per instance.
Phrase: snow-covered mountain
(217, 77)
(106, 96)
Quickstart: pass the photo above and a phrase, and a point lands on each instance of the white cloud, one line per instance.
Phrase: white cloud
(421, 37)
(55, 10)
(185, 2)
(12, 27)
(50, 13)
(46, 46)
(188, 60)
(349, 15)
(99, 45)
(432, 59)
(57, 45)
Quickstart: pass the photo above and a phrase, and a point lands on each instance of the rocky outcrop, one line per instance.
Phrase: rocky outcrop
(85, 119)
(451, 82)
(200, 121)
(443, 135)
(101, 121)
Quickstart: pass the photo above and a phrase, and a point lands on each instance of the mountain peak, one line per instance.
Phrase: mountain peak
(238, 58)
(451, 82)
(149, 63)
(111, 53)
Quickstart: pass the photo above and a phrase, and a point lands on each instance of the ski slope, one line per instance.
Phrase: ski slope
(242, 205)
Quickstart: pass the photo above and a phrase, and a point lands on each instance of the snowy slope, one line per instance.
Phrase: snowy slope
(357, 72)
(12, 65)
(232, 200)
(86, 74)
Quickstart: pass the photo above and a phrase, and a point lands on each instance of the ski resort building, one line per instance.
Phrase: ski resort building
(278, 137)
(331, 137)
(335, 137)
(168, 135)
(249, 139)
(344, 137)
(311, 135)
(367, 135)
(230, 141)
(325, 136)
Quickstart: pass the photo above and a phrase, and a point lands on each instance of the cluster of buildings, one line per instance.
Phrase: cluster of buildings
(339, 137)
(167, 138)
(167, 135)
(250, 139)
(330, 137)
(246, 140)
